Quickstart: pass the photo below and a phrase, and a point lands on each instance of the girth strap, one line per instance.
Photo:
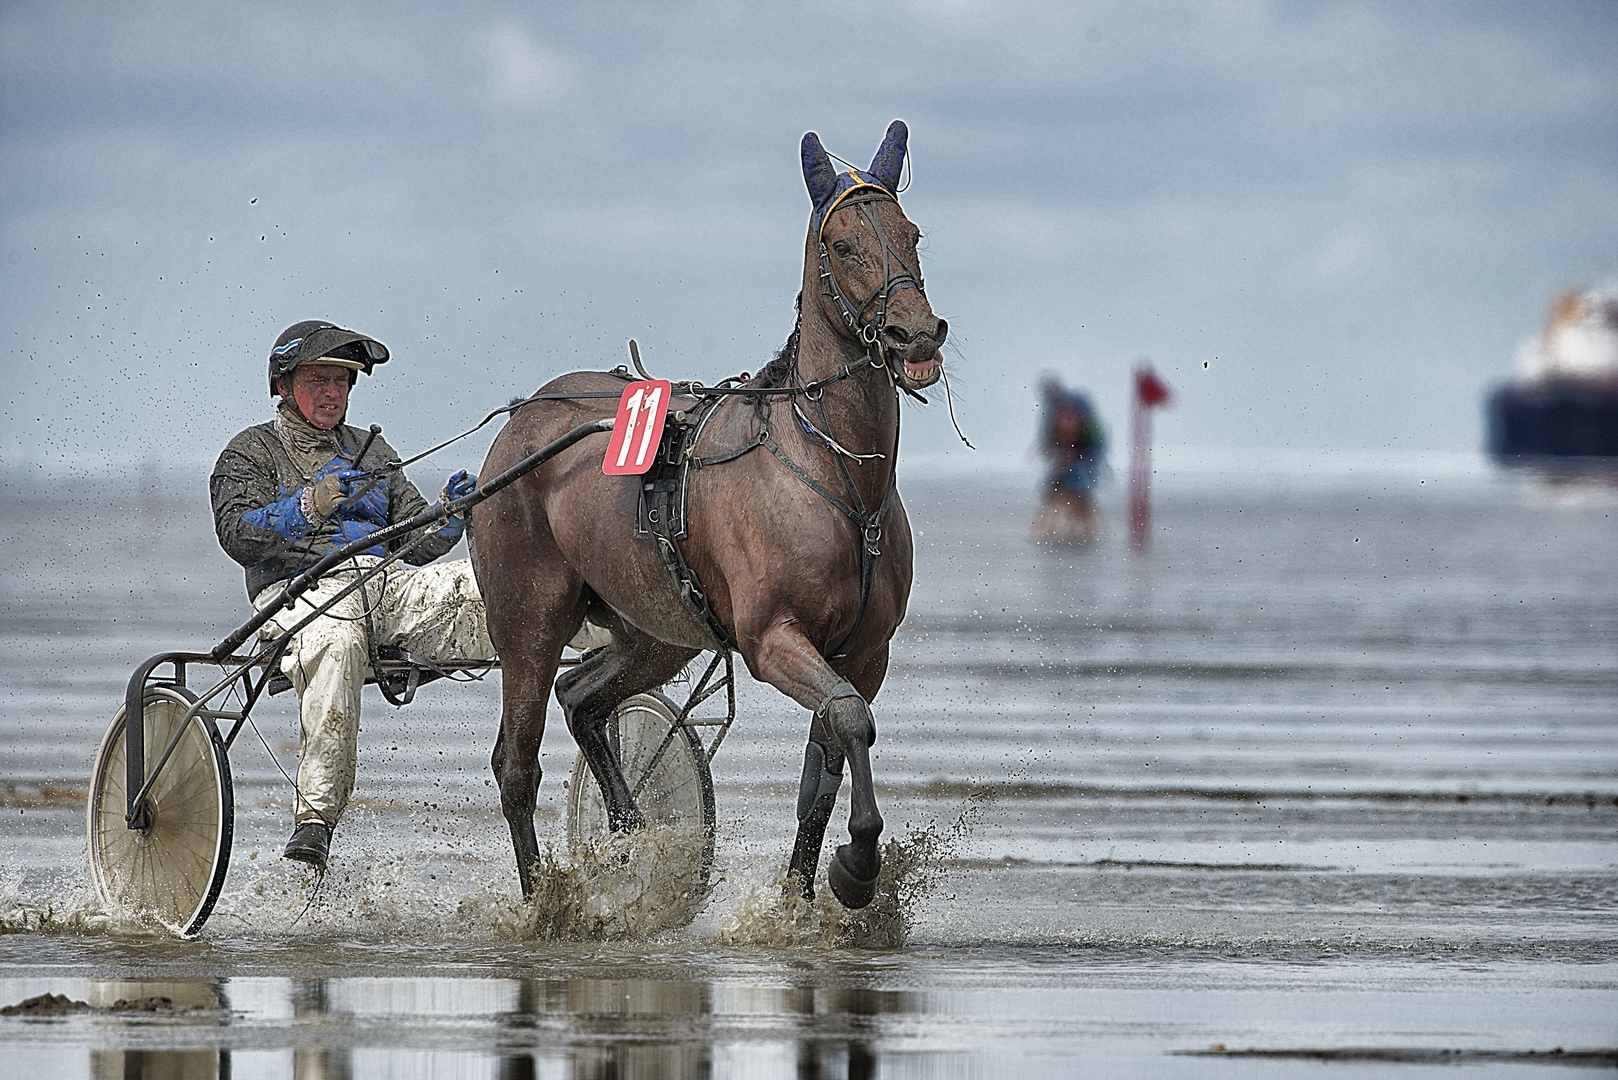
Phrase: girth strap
(668, 526)
(689, 589)
(663, 495)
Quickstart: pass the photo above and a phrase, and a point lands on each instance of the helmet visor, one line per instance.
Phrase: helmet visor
(340, 344)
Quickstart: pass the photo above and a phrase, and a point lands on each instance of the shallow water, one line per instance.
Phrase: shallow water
(1330, 771)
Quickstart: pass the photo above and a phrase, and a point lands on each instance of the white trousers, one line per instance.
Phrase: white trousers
(433, 611)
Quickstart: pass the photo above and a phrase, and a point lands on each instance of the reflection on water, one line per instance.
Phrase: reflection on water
(992, 1013)
(163, 1065)
(527, 1027)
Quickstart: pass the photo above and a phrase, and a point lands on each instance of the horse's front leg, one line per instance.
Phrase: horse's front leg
(842, 731)
(817, 797)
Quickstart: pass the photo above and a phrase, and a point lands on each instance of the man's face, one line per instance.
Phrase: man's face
(321, 392)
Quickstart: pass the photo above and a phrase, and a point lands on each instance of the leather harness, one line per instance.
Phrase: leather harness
(661, 516)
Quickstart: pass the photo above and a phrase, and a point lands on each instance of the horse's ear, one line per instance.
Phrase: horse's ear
(890, 156)
(818, 174)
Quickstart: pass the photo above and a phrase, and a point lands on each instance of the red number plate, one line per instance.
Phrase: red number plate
(633, 446)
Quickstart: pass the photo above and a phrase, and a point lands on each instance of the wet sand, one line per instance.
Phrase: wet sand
(1328, 777)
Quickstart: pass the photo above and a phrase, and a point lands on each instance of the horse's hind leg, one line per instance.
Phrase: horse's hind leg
(516, 769)
(529, 650)
(634, 661)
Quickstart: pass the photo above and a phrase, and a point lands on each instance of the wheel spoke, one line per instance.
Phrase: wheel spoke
(173, 869)
(667, 769)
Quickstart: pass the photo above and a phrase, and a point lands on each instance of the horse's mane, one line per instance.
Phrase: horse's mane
(778, 370)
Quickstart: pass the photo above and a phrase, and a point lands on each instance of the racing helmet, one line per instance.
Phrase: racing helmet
(318, 341)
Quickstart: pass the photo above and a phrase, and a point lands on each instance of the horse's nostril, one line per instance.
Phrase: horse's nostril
(897, 334)
(942, 332)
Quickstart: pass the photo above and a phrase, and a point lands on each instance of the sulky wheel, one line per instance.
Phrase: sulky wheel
(173, 869)
(673, 789)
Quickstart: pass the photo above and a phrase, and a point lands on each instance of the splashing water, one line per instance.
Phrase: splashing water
(66, 909)
(620, 887)
(21, 915)
(623, 888)
(775, 914)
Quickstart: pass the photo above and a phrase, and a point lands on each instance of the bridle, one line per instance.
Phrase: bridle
(867, 330)
(868, 520)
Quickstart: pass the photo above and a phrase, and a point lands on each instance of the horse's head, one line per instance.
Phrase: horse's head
(870, 281)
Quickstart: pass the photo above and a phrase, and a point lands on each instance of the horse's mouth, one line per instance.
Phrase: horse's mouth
(923, 373)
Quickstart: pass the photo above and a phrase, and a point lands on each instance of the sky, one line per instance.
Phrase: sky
(1327, 226)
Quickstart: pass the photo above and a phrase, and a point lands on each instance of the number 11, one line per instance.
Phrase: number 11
(640, 401)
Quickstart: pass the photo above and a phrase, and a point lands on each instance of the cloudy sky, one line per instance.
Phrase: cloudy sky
(1328, 225)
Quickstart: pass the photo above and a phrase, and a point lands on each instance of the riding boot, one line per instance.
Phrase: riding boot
(310, 843)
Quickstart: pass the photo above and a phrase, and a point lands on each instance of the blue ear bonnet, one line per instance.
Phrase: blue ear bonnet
(827, 187)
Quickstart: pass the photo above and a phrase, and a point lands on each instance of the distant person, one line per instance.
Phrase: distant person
(1073, 441)
(287, 492)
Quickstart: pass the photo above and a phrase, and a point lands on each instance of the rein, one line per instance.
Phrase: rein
(690, 388)
(867, 332)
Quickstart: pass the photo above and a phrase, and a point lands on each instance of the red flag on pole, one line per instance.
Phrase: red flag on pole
(1150, 393)
(1149, 388)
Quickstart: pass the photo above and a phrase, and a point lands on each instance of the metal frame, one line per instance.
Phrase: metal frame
(705, 688)
(253, 673)
(252, 676)
(239, 669)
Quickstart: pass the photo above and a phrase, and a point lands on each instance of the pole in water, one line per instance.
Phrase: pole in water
(1150, 392)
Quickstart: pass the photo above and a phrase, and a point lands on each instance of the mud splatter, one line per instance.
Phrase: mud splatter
(774, 914)
(50, 1006)
(624, 887)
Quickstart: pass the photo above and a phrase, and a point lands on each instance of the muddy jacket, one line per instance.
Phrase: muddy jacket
(263, 520)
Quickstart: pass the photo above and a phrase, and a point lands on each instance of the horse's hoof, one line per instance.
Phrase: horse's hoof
(852, 892)
(797, 885)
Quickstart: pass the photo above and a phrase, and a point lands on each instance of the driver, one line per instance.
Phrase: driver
(288, 491)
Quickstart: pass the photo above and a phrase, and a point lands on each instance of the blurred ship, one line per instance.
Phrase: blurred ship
(1560, 416)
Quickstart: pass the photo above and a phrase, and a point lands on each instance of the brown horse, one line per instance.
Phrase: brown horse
(797, 547)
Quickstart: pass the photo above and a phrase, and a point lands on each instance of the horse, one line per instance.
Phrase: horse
(796, 551)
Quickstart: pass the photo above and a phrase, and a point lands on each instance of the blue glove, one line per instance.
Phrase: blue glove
(363, 498)
(285, 517)
(459, 486)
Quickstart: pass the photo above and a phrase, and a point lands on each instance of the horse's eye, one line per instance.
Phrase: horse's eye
(843, 249)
